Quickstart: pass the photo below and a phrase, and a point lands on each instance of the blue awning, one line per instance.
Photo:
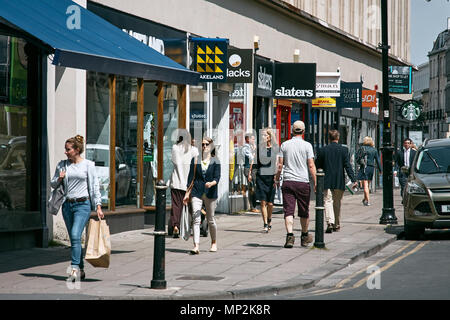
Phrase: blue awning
(86, 41)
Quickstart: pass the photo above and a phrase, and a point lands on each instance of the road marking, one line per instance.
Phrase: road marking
(390, 264)
(343, 282)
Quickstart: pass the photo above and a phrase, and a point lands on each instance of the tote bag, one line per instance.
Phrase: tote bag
(185, 223)
(57, 197)
(98, 248)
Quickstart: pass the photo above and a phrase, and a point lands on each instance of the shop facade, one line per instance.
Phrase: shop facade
(55, 98)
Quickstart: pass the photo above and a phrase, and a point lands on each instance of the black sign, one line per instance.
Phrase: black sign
(295, 80)
(240, 62)
(165, 40)
(264, 74)
(210, 57)
(351, 95)
(400, 80)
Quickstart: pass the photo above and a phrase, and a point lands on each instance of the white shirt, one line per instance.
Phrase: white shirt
(182, 155)
(407, 157)
(77, 175)
(295, 153)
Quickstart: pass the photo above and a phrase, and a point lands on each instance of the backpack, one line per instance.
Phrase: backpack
(361, 157)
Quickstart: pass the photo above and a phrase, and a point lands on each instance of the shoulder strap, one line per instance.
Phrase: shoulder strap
(193, 179)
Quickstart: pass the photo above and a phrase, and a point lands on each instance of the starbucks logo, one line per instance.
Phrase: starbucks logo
(411, 110)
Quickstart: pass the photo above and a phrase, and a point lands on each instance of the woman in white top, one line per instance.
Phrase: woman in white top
(82, 193)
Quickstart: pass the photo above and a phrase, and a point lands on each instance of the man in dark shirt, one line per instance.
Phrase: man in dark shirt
(333, 159)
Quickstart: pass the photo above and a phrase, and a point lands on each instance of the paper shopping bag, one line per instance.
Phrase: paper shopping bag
(98, 249)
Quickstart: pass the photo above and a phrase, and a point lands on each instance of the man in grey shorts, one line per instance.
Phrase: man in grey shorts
(297, 157)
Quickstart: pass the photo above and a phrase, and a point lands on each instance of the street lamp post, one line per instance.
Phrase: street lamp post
(388, 215)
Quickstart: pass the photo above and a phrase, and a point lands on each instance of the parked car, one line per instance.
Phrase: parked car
(99, 153)
(13, 174)
(427, 194)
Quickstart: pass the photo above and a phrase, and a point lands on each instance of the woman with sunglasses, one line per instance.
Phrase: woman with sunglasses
(268, 152)
(204, 176)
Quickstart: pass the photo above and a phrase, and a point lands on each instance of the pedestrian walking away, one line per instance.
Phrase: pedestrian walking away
(82, 194)
(297, 158)
(250, 168)
(403, 160)
(268, 151)
(367, 166)
(204, 176)
(182, 154)
(334, 159)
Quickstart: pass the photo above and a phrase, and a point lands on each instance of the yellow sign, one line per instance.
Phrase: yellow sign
(324, 103)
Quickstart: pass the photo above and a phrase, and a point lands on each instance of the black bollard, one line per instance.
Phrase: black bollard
(319, 241)
(159, 281)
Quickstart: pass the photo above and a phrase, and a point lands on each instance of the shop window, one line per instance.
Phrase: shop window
(126, 142)
(98, 128)
(198, 112)
(14, 119)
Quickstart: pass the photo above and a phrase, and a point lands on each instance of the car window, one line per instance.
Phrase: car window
(17, 159)
(434, 160)
(99, 156)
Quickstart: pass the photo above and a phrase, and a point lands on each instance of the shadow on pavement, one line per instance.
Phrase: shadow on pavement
(50, 276)
(258, 245)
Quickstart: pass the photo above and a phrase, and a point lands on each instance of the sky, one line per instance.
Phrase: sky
(428, 19)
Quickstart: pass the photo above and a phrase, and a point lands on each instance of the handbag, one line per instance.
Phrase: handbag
(185, 223)
(57, 197)
(98, 248)
(189, 189)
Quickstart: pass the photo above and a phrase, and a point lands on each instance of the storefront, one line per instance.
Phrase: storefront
(119, 68)
(285, 113)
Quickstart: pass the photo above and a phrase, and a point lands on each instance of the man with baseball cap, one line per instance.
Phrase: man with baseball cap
(297, 157)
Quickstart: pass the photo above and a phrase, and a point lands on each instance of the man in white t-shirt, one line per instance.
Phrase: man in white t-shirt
(297, 157)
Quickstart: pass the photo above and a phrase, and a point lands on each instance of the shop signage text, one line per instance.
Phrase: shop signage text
(369, 99)
(264, 77)
(351, 95)
(400, 80)
(210, 59)
(324, 103)
(328, 84)
(240, 63)
(294, 93)
(295, 80)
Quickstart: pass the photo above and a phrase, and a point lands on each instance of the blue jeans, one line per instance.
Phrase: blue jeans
(76, 216)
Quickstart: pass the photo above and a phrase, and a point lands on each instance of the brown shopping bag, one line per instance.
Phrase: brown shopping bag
(98, 248)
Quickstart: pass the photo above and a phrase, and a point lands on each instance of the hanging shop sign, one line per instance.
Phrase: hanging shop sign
(264, 74)
(400, 79)
(165, 40)
(295, 80)
(369, 98)
(210, 57)
(328, 84)
(411, 110)
(324, 103)
(351, 95)
(240, 63)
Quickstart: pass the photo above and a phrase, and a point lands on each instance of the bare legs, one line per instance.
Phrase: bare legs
(266, 211)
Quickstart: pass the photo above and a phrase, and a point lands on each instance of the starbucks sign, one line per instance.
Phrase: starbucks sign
(411, 110)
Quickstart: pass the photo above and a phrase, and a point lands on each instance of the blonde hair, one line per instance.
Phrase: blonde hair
(368, 141)
(271, 134)
(77, 143)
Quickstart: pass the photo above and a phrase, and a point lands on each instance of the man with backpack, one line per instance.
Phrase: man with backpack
(334, 159)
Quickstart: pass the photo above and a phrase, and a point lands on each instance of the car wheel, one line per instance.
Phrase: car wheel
(412, 232)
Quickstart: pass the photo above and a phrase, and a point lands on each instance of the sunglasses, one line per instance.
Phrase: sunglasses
(205, 144)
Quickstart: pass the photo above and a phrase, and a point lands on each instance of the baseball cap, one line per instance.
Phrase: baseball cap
(298, 127)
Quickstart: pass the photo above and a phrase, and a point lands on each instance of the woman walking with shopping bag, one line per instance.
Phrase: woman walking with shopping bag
(204, 175)
(82, 194)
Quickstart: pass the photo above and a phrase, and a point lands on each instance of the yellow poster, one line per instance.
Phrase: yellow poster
(324, 103)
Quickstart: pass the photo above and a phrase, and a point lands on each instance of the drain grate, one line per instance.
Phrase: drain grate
(201, 278)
